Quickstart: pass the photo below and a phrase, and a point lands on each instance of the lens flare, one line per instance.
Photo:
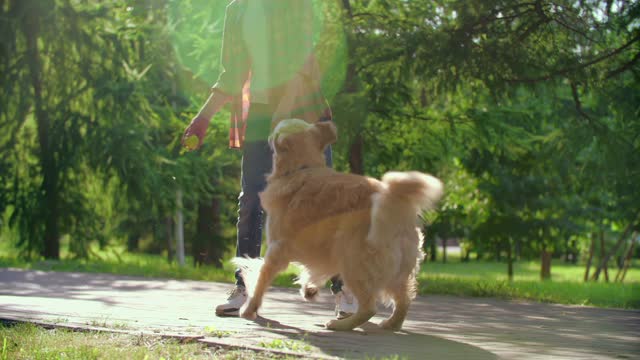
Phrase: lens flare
(197, 28)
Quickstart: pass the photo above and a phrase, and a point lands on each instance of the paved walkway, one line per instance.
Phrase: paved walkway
(438, 327)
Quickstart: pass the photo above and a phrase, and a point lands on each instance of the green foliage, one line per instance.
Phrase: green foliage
(116, 107)
(526, 109)
(195, 31)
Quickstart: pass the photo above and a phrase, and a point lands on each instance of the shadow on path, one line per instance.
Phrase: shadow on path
(369, 341)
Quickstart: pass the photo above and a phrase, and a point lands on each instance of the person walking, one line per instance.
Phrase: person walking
(269, 73)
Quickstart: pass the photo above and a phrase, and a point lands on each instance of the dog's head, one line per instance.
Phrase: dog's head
(297, 144)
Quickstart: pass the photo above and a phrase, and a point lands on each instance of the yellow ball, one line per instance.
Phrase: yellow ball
(191, 142)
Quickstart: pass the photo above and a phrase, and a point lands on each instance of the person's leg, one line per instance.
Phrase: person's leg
(328, 152)
(328, 156)
(256, 164)
(336, 282)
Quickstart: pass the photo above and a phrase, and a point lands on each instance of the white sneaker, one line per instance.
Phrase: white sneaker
(237, 298)
(346, 303)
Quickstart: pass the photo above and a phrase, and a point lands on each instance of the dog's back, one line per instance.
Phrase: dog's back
(314, 195)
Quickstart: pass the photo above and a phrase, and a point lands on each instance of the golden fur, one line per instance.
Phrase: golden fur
(334, 223)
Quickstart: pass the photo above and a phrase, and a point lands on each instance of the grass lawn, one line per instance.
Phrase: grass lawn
(474, 278)
(483, 278)
(27, 341)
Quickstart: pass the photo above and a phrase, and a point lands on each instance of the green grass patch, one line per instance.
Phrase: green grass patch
(608, 295)
(489, 279)
(27, 341)
(290, 345)
(523, 270)
(124, 263)
(114, 260)
(212, 331)
(473, 278)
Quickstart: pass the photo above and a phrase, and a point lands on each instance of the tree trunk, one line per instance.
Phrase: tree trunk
(356, 158)
(590, 258)
(133, 240)
(356, 148)
(621, 239)
(433, 250)
(351, 83)
(509, 261)
(467, 256)
(180, 248)
(444, 250)
(169, 229)
(423, 98)
(627, 259)
(573, 252)
(207, 246)
(347, 7)
(545, 268)
(50, 191)
(602, 255)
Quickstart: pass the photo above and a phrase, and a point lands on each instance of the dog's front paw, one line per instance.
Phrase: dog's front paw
(331, 325)
(249, 312)
(390, 325)
(339, 325)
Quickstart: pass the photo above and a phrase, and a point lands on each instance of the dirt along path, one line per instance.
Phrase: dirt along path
(438, 327)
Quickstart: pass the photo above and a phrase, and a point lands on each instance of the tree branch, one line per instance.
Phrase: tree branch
(568, 70)
(623, 68)
(576, 100)
(571, 28)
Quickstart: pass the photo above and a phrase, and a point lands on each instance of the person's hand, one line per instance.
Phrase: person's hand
(195, 132)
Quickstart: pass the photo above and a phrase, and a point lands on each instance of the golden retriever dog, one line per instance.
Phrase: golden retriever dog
(333, 223)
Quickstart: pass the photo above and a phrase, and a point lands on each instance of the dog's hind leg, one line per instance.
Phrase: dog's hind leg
(274, 262)
(401, 300)
(366, 310)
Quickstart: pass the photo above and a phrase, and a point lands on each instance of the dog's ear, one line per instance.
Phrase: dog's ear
(282, 144)
(326, 133)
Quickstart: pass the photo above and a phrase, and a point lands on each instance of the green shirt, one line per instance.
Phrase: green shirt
(266, 42)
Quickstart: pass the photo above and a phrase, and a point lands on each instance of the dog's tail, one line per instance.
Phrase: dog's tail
(249, 271)
(405, 195)
(422, 191)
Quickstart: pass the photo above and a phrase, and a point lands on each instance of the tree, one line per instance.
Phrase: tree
(527, 110)
(485, 55)
(100, 115)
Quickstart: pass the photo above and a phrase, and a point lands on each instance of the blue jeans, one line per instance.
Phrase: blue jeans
(256, 165)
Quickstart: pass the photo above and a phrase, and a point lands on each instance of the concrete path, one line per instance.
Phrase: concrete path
(438, 327)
